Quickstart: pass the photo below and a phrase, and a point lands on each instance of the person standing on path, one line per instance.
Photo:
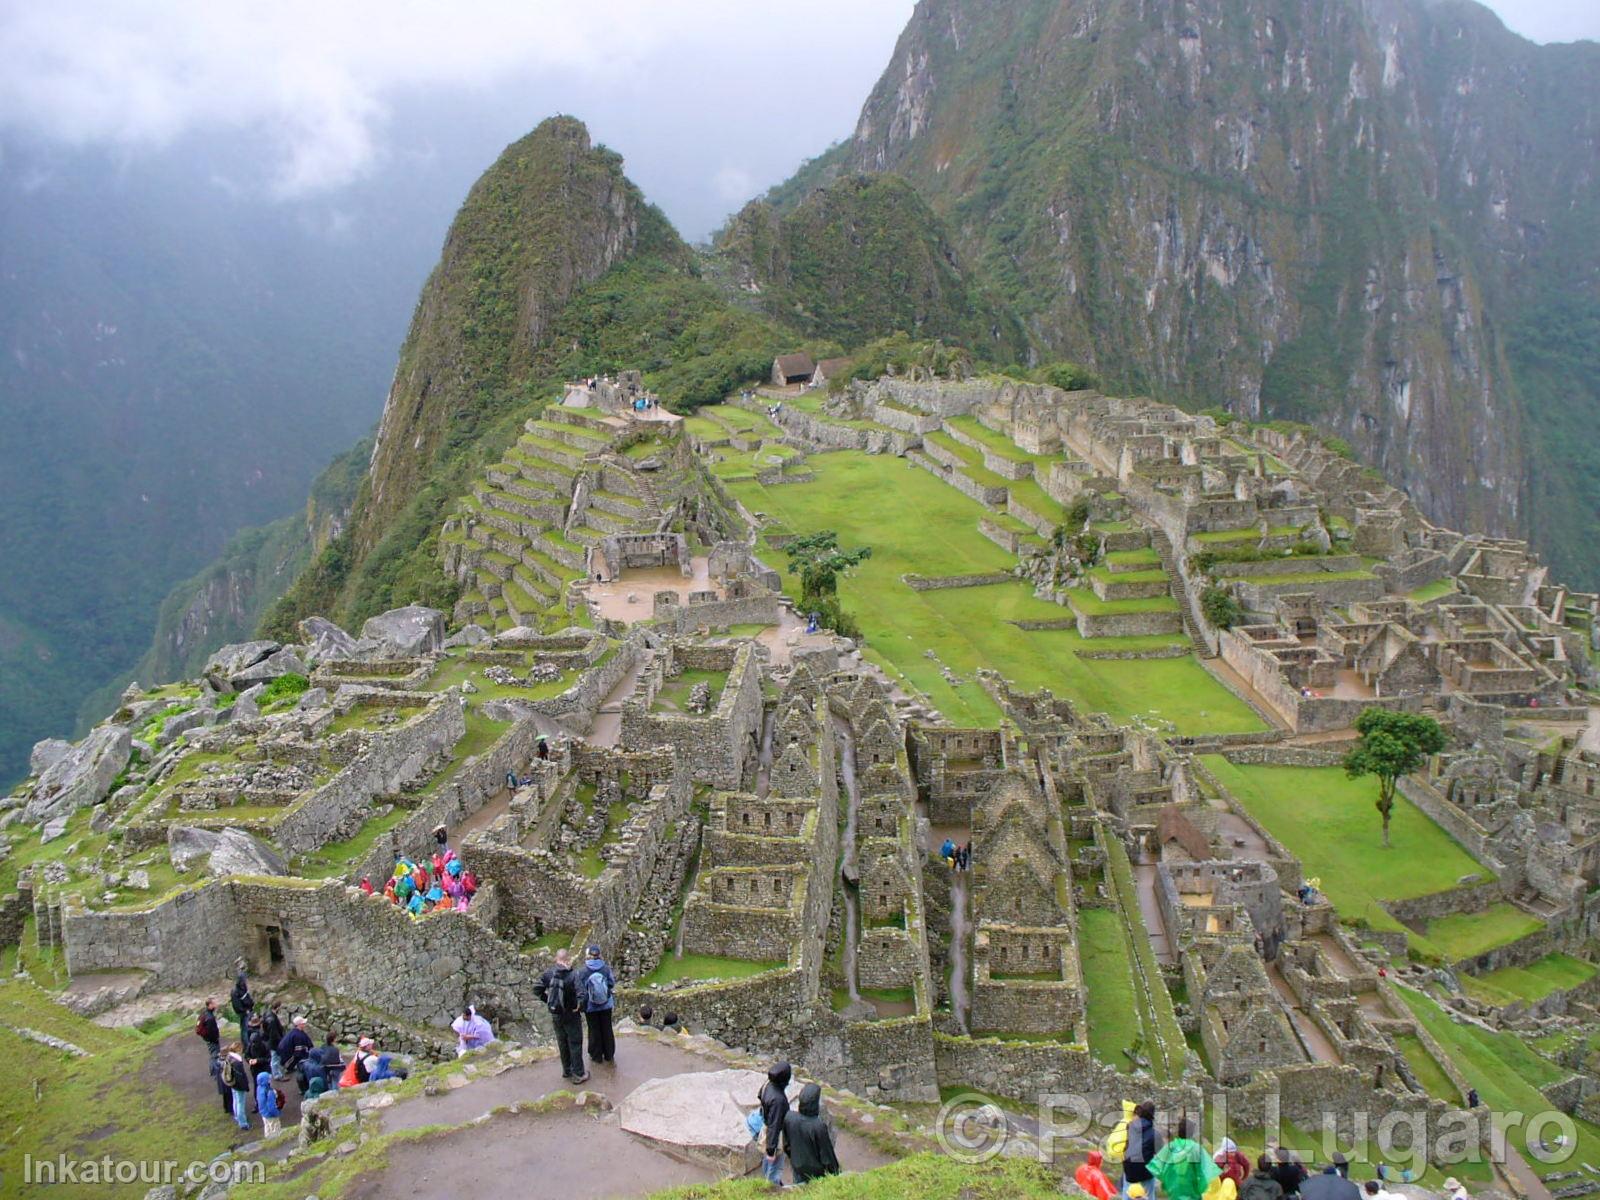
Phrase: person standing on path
(774, 1101)
(272, 1027)
(1143, 1144)
(807, 1140)
(1183, 1167)
(206, 1027)
(267, 1105)
(597, 990)
(236, 1075)
(558, 988)
(241, 1001)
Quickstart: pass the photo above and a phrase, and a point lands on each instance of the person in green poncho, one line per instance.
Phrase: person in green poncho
(1182, 1165)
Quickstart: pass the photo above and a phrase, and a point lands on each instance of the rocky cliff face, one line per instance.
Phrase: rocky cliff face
(1315, 209)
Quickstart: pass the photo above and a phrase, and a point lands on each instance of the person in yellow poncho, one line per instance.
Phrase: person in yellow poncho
(1183, 1167)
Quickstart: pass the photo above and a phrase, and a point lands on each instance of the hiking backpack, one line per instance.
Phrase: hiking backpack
(230, 1074)
(200, 1030)
(597, 990)
(555, 995)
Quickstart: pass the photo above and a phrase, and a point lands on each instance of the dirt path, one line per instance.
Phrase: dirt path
(569, 1154)
(607, 727)
(181, 1062)
(1310, 1032)
(1145, 879)
(576, 1155)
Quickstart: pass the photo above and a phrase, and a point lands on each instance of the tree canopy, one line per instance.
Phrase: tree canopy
(1392, 746)
(819, 561)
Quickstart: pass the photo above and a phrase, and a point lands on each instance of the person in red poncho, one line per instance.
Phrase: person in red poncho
(1091, 1177)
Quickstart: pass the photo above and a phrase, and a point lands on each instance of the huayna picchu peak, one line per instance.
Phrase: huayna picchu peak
(1060, 649)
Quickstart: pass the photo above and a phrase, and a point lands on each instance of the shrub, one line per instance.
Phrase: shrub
(1078, 513)
(285, 687)
(1220, 608)
(1068, 376)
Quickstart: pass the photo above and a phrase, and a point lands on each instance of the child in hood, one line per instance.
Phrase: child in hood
(267, 1104)
(1092, 1178)
(366, 885)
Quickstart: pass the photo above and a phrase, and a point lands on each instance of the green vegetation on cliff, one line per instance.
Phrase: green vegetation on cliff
(864, 257)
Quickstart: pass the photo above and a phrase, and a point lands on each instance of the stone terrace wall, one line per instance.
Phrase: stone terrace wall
(392, 761)
(457, 799)
(714, 744)
(188, 940)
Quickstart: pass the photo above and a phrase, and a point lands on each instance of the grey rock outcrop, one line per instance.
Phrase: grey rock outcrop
(181, 724)
(280, 662)
(223, 852)
(235, 657)
(468, 635)
(408, 632)
(316, 697)
(325, 640)
(82, 776)
(46, 754)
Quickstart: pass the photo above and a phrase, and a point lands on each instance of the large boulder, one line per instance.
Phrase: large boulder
(698, 1116)
(223, 852)
(279, 662)
(181, 724)
(46, 754)
(82, 776)
(325, 640)
(234, 658)
(408, 632)
(468, 635)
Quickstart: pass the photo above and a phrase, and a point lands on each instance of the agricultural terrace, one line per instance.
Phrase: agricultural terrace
(916, 524)
(1329, 821)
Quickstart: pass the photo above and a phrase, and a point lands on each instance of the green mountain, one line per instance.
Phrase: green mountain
(1376, 217)
(555, 267)
(860, 257)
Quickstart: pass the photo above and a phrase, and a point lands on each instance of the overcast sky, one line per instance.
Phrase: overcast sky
(710, 101)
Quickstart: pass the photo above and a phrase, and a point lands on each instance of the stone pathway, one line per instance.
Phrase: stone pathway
(1311, 1035)
(571, 1152)
(1145, 880)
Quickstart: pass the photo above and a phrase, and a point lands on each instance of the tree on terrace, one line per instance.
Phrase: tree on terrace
(1392, 746)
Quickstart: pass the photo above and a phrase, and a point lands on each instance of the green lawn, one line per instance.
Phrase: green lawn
(702, 967)
(1432, 591)
(1329, 822)
(1552, 973)
(1426, 1068)
(1112, 1013)
(1465, 935)
(108, 1103)
(999, 443)
(1506, 1071)
(917, 524)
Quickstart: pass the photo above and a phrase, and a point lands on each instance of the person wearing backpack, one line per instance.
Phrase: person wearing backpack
(774, 1102)
(207, 1030)
(236, 1077)
(272, 1029)
(558, 988)
(597, 989)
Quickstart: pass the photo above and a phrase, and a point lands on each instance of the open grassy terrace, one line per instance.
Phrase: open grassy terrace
(1330, 822)
(916, 524)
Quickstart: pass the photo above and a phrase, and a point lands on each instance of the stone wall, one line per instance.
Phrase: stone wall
(934, 583)
(714, 744)
(1129, 624)
(718, 614)
(392, 761)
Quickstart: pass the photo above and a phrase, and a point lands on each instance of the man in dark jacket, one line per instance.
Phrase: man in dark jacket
(597, 991)
(257, 1053)
(207, 1028)
(242, 1002)
(558, 988)
(1286, 1169)
(1330, 1185)
(1261, 1185)
(774, 1108)
(272, 1027)
(1143, 1142)
(294, 1048)
(807, 1140)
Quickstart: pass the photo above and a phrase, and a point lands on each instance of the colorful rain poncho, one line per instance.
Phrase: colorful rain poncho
(454, 868)
(1184, 1169)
